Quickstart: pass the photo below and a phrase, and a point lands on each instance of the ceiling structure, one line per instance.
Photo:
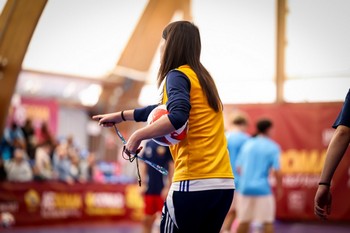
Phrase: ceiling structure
(86, 39)
(136, 45)
(105, 52)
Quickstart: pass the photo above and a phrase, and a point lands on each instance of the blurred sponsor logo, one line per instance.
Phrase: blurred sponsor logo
(9, 206)
(61, 205)
(134, 201)
(302, 161)
(104, 203)
(296, 201)
(32, 200)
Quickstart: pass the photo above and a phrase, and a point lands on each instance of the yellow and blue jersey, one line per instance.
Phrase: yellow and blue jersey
(203, 153)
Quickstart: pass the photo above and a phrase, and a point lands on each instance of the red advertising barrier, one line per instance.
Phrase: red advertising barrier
(303, 131)
(36, 203)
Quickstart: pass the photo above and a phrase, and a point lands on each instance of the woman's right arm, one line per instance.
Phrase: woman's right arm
(138, 114)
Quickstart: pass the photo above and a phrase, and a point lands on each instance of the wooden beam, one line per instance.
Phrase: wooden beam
(138, 54)
(185, 7)
(281, 11)
(17, 23)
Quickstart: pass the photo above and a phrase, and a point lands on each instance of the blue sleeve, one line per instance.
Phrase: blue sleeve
(344, 115)
(178, 91)
(141, 114)
(276, 158)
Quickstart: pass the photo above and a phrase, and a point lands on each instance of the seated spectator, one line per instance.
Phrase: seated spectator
(88, 167)
(36, 174)
(18, 169)
(45, 136)
(13, 137)
(43, 168)
(29, 137)
(61, 164)
(3, 175)
(71, 146)
(74, 169)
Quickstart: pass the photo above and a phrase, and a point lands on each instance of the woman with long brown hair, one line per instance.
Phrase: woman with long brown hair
(203, 187)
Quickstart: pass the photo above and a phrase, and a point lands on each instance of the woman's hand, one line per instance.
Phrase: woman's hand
(133, 144)
(109, 119)
(323, 202)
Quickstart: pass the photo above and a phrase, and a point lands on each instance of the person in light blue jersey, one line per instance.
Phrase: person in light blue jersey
(236, 136)
(258, 157)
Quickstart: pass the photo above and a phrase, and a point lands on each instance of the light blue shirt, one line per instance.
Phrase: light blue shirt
(257, 156)
(235, 140)
(61, 167)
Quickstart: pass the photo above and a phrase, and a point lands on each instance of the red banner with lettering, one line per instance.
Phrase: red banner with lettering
(36, 203)
(303, 131)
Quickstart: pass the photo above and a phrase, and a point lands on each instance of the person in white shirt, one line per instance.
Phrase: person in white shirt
(18, 169)
(43, 161)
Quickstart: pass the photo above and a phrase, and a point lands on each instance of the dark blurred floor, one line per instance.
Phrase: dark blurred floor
(314, 227)
(120, 227)
(126, 227)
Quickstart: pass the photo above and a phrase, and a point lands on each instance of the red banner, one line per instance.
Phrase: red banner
(53, 202)
(303, 131)
(38, 110)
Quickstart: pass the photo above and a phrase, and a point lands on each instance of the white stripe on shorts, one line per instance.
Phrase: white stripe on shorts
(169, 226)
(171, 209)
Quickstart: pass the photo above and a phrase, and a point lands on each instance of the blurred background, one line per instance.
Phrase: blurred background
(63, 61)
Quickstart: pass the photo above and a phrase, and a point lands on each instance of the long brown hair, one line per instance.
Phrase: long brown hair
(183, 47)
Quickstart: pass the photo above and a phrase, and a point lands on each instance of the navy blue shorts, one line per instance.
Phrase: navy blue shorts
(197, 212)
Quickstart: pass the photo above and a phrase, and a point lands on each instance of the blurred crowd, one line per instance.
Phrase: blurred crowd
(37, 155)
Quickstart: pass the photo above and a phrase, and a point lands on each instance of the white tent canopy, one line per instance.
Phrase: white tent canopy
(85, 38)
